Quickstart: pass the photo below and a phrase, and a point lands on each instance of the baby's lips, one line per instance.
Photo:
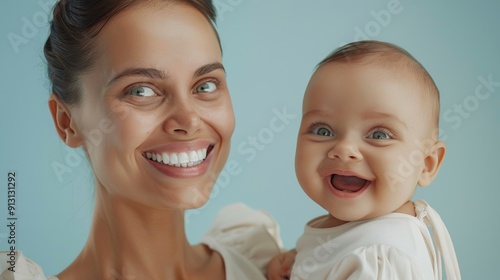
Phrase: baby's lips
(347, 183)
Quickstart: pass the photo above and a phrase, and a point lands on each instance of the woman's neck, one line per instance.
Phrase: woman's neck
(132, 241)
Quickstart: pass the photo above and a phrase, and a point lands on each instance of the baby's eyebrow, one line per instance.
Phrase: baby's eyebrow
(385, 115)
(314, 113)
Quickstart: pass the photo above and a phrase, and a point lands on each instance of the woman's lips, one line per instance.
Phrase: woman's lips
(181, 159)
(185, 164)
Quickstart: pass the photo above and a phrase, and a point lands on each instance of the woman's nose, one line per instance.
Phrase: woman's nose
(345, 150)
(182, 120)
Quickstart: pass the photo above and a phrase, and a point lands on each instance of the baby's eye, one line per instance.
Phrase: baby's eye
(141, 91)
(208, 86)
(322, 131)
(379, 135)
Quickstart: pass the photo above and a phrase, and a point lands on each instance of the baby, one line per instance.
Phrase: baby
(368, 137)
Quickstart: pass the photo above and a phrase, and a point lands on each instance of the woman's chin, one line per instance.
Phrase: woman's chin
(195, 198)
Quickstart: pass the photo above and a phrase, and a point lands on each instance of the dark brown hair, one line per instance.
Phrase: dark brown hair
(393, 57)
(70, 49)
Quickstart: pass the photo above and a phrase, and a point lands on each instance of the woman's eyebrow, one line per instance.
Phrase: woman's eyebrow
(205, 69)
(151, 73)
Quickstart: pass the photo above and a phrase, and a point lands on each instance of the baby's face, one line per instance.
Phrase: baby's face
(362, 141)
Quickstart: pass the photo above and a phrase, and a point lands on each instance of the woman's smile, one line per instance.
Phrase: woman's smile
(181, 160)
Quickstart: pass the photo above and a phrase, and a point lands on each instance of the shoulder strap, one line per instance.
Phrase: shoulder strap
(442, 240)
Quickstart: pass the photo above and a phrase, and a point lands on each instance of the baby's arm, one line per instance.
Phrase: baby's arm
(280, 267)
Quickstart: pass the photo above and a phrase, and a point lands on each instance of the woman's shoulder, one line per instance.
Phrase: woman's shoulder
(15, 266)
(246, 238)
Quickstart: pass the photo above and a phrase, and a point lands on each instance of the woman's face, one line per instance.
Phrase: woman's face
(155, 116)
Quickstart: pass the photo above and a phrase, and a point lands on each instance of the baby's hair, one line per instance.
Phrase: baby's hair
(70, 49)
(390, 56)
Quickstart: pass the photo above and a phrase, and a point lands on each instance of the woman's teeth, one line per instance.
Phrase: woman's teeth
(183, 159)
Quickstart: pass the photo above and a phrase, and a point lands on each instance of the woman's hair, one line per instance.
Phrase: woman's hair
(70, 49)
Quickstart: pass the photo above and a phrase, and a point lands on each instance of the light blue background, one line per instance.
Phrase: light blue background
(270, 50)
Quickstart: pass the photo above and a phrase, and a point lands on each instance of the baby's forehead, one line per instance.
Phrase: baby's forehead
(336, 76)
(398, 68)
(363, 71)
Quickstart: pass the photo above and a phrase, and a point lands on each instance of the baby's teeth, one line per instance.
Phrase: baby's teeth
(183, 158)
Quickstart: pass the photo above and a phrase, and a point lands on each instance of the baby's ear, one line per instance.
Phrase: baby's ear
(65, 126)
(432, 163)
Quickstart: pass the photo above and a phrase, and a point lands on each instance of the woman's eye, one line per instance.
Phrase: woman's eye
(208, 86)
(141, 91)
(322, 131)
(379, 135)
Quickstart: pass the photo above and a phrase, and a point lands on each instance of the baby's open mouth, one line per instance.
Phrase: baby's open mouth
(349, 184)
(181, 159)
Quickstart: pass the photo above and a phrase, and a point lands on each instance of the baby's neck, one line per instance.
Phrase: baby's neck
(330, 221)
(407, 208)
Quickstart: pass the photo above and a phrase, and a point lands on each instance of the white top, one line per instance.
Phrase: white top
(393, 246)
(247, 239)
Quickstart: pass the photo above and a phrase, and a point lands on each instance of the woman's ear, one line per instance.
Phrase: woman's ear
(63, 122)
(432, 163)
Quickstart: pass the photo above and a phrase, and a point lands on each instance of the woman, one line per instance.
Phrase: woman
(140, 86)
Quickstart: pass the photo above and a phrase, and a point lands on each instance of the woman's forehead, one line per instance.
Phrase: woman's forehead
(170, 39)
